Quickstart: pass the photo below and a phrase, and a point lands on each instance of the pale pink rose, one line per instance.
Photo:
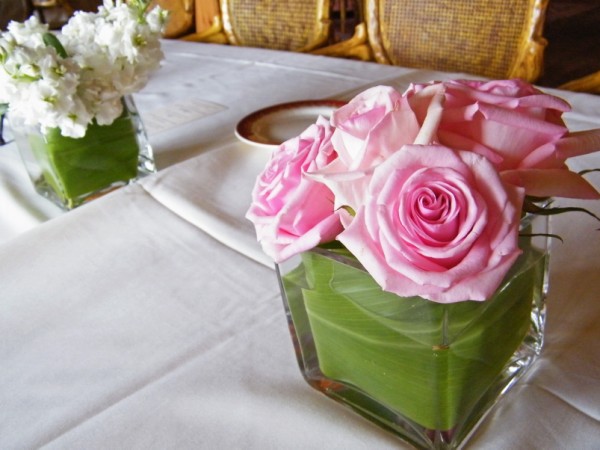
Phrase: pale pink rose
(290, 211)
(358, 123)
(369, 129)
(513, 124)
(437, 223)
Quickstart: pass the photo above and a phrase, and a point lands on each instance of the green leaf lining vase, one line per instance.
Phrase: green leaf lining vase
(425, 371)
(70, 171)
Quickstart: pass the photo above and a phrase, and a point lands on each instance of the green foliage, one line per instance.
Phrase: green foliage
(532, 207)
(52, 41)
(431, 362)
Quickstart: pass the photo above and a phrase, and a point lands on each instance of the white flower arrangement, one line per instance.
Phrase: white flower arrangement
(79, 75)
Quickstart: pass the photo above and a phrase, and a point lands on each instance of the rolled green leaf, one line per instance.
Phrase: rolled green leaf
(74, 168)
(431, 363)
(52, 41)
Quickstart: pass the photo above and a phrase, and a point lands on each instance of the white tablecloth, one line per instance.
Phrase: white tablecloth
(149, 318)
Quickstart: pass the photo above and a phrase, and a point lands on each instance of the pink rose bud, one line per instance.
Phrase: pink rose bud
(291, 211)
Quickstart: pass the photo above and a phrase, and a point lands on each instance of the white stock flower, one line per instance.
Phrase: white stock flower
(110, 54)
(29, 33)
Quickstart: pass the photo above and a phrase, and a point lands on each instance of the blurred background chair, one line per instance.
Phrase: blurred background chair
(18, 10)
(550, 42)
(589, 83)
(571, 59)
(181, 16)
(53, 12)
(56, 12)
(491, 38)
(296, 25)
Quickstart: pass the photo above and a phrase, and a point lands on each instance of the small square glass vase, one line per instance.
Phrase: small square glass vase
(424, 371)
(70, 171)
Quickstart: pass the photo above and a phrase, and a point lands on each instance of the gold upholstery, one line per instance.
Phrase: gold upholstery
(492, 38)
(297, 25)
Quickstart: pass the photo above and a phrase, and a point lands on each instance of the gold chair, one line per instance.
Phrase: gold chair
(181, 16)
(296, 25)
(589, 83)
(53, 12)
(491, 38)
(571, 58)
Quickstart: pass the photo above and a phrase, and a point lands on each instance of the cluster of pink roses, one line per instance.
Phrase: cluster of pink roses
(426, 188)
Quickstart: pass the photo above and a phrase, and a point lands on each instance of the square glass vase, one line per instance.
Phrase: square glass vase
(424, 371)
(70, 172)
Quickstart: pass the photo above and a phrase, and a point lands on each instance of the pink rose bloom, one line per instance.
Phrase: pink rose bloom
(437, 223)
(290, 211)
(513, 124)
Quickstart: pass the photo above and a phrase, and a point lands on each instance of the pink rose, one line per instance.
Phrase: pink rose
(356, 121)
(290, 211)
(437, 223)
(513, 124)
(369, 129)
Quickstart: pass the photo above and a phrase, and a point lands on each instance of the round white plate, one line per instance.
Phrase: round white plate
(269, 127)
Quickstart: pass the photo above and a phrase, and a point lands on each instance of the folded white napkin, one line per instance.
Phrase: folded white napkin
(213, 192)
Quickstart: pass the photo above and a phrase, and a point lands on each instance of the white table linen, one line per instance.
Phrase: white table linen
(151, 319)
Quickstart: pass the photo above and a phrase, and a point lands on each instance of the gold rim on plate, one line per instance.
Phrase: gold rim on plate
(271, 126)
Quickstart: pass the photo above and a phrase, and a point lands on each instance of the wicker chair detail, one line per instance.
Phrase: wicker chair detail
(295, 25)
(490, 38)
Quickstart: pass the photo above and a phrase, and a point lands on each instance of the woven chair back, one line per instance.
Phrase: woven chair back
(492, 38)
(297, 25)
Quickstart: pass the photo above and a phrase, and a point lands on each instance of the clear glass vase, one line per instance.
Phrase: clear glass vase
(70, 172)
(425, 371)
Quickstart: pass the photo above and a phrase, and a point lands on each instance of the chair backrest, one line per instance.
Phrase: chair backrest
(492, 38)
(297, 25)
